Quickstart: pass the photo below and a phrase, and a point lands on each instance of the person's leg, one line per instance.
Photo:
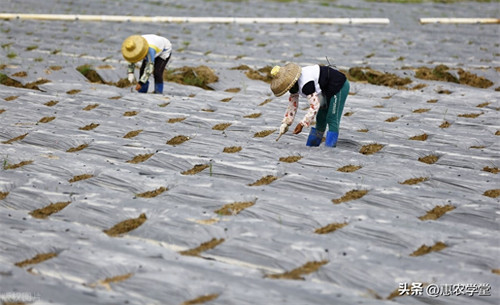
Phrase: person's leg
(144, 88)
(159, 67)
(316, 134)
(334, 115)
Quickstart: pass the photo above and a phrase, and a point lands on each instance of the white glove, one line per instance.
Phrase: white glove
(283, 128)
(131, 77)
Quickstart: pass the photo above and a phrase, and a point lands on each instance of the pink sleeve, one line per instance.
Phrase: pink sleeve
(293, 104)
(312, 111)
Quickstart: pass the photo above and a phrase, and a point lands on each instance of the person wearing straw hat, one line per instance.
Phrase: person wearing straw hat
(154, 51)
(326, 90)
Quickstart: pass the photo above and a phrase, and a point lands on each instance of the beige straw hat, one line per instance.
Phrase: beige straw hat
(134, 48)
(284, 78)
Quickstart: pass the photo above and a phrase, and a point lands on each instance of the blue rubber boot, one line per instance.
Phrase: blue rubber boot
(144, 88)
(159, 88)
(331, 138)
(315, 137)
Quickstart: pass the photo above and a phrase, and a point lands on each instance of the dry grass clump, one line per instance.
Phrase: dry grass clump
(349, 168)
(196, 169)
(18, 165)
(297, 273)
(154, 193)
(78, 148)
(47, 119)
(126, 226)
(202, 299)
(177, 140)
(199, 76)
(290, 159)
(440, 73)
(430, 159)
(232, 149)
(263, 74)
(18, 138)
(49, 210)
(221, 126)
(492, 193)
(370, 149)
(413, 181)
(203, 247)
(422, 137)
(493, 170)
(140, 158)
(36, 259)
(132, 134)
(330, 228)
(234, 208)
(264, 133)
(264, 180)
(374, 77)
(89, 126)
(80, 178)
(437, 212)
(424, 249)
(351, 195)
(90, 107)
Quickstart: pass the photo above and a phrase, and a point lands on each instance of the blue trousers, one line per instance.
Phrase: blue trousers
(332, 114)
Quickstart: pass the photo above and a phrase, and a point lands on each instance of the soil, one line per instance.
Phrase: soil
(80, 177)
(296, 274)
(90, 107)
(130, 113)
(263, 74)
(421, 110)
(126, 226)
(351, 195)
(493, 170)
(18, 138)
(7, 81)
(330, 228)
(426, 249)
(290, 159)
(431, 159)
(152, 194)
(221, 126)
(482, 105)
(46, 119)
(199, 76)
(350, 113)
(78, 148)
(362, 130)
(422, 137)
(440, 73)
(36, 259)
(433, 101)
(3, 195)
(18, 165)
(445, 124)
(349, 168)
(176, 120)
(196, 169)
(227, 99)
(20, 74)
(177, 140)
(392, 119)
(203, 247)
(264, 133)
(253, 115)
(370, 149)
(437, 212)
(413, 181)
(470, 115)
(51, 103)
(49, 210)
(265, 102)
(109, 280)
(232, 149)
(132, 133)
(233, 90)
(374, 77)
(492, 193)
(11, 98)
(89, 127)
(115, 97)
(201, 300)
(264, 180)
(140, 158)
(234, 208)
(2, 111)
(90, 74)
(73, 91)
(208, 110)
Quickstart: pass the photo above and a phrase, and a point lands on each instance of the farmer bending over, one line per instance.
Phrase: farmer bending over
(154, 51)
(326, 89)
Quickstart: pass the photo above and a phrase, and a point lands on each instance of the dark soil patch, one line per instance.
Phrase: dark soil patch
(18, 138)
(89, 127)
(49, 210)
(80, 177)
(290, 159)
(263, 74)
(201, 300)
(90, 107)
(351, 195)
(78, 148)
(473, 80)
(296, 274)
(36, 259)
(115, 97)
(431, 159)
(492, 193)
(349, 168)
(482, 105)
(51, 103)
(264, 180)
(392, 119)
(3, 195)
(140, 158)
(90, 74)
(55, 68)
(477, 147)
(208, 110)
(177, 140)
(203, 247)
(444, 91)
(235, 208)
(330, 228)
(199, 76)
(413, 181)
(20, 74)
(130, 113)
(470, 115)
(233, 90)
(132, 134)
(232, 149)
(46, 119)
(421, 110)
(437, 212)
(350, 113)
(164, 104)
(264, 133)
(7, 81)
(73, 91)
(11, 98)
(422, 137)
(221, 126)
(196, 169)
(493, 170)
(370, 149)
(374, 77)
(18, 165)
(253, 115)
(176, 120)
(440, 73)
(426, 249)
(154, 193)
(2, 111)
(362, 130)
(497, 133)
(109, 280)
(445, 124)
(126, 226)
(227, 99)
(432, 101)
(265, 102)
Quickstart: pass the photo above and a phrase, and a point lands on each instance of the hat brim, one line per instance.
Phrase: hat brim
(139, 51)
(292, 73)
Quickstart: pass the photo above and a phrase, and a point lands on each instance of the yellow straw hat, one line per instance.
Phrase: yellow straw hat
(134, 48)
(284, 78)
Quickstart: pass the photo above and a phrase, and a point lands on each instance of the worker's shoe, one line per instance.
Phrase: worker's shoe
(315, 137)
(331, 138)
(144, 88)
(159, 88)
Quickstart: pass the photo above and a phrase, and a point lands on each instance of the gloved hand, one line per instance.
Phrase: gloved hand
(283, 128)
(131, 77)
(298, 128)
(138, 86)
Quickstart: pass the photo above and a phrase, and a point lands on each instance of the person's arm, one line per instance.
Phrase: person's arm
(150, 58)
(312, 111)
(293, 104)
